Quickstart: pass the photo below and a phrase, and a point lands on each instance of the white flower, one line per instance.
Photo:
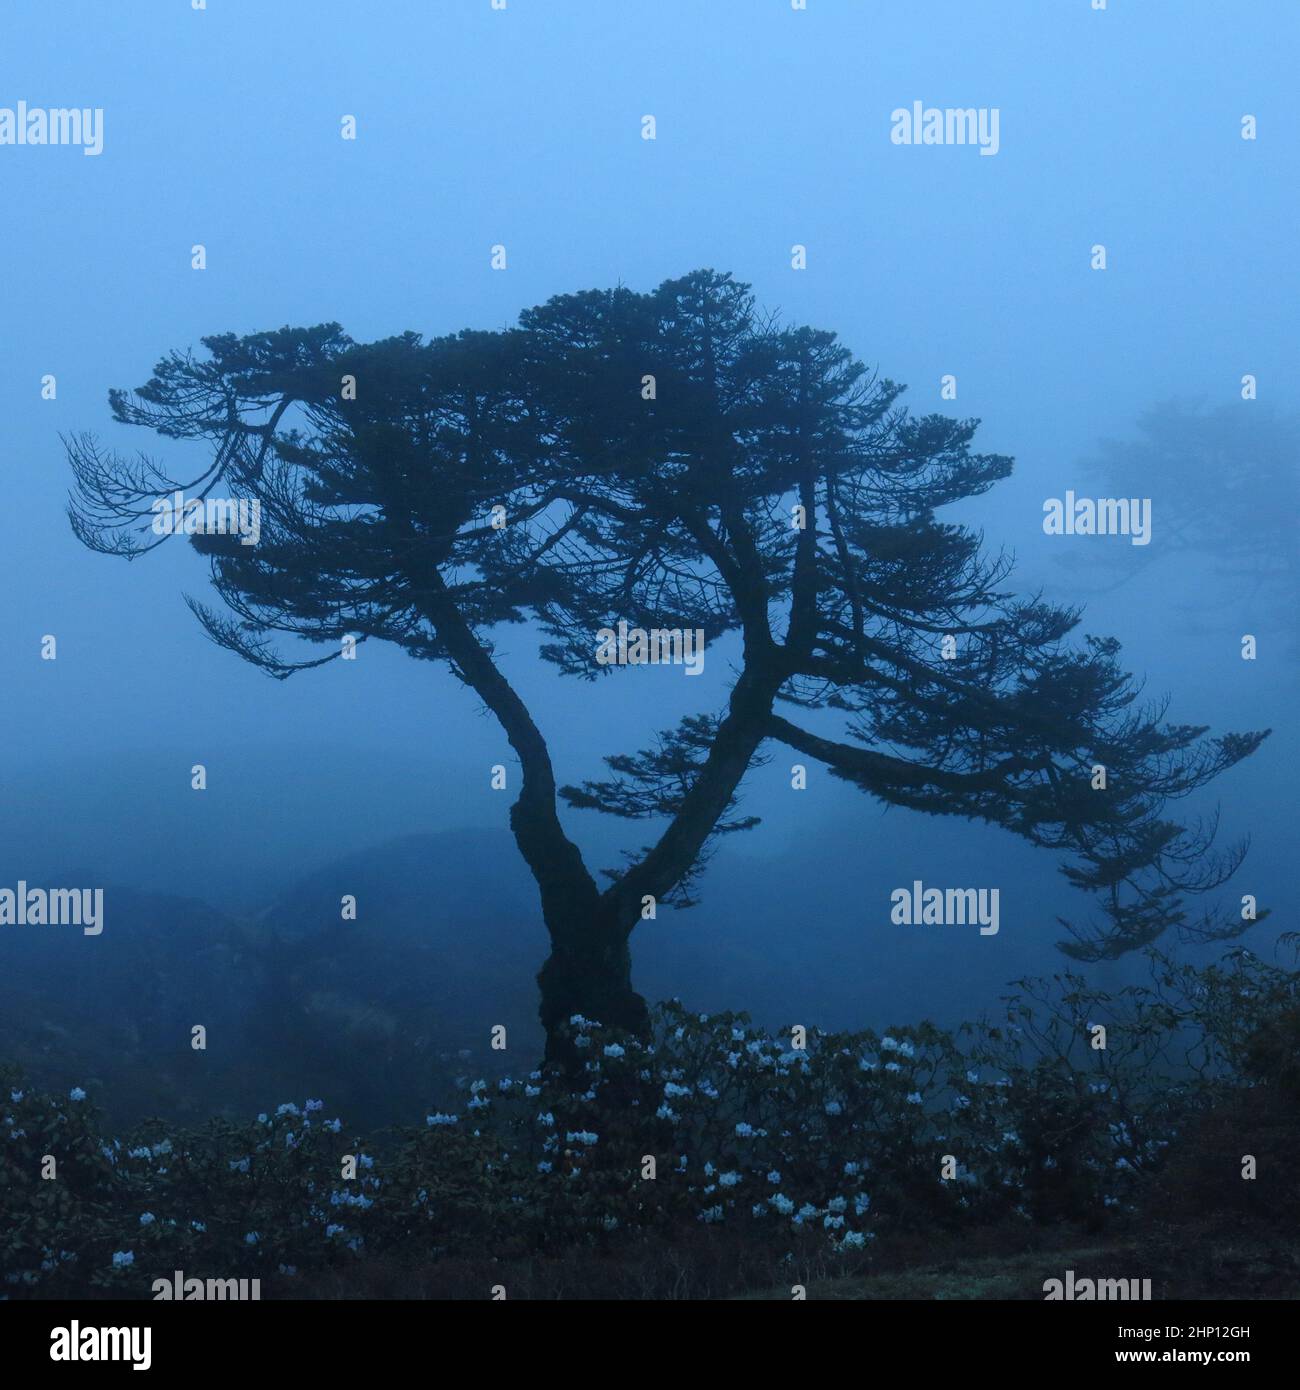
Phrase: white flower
(774, 1176)
(833, 1107)
(441, 1119)
(783, 1204)
(914, 1098)
(728, 1179)
(121, 1258)
(581, 1136)
(252, 1237)
(147, 1218)
(315, 1105)
(78, 1094)
(853, 1240)
(614, 1050)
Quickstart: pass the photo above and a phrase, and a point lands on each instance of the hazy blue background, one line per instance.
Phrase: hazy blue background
(523, 127)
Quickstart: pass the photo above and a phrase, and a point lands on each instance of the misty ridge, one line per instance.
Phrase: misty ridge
(446, 945)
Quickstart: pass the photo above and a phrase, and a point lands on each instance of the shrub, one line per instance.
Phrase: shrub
(810, 1146)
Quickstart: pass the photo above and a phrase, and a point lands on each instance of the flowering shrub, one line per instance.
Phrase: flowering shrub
(827, 1140)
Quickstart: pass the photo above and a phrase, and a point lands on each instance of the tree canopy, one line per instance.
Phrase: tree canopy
(674, 459)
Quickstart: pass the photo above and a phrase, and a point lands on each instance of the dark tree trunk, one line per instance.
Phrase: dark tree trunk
(588, 972)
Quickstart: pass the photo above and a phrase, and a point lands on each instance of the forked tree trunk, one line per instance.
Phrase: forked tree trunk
(588, 972)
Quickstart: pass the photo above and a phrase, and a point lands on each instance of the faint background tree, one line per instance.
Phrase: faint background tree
(1225, 494)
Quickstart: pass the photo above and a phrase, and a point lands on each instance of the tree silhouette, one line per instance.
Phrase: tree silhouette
(676, 460)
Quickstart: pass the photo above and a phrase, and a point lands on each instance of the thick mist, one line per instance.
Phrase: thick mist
(927, 262)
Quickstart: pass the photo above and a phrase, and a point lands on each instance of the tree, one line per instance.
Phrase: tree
(678, 461)
(1224, 494)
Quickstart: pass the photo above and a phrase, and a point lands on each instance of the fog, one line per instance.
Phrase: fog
(522, 129)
